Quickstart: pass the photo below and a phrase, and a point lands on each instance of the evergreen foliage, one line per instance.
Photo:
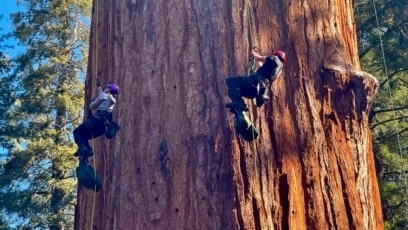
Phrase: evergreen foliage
(5, 102)
(389, 115)
(41, 104)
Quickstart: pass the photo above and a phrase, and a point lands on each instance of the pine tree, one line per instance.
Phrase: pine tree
(38, 186)
(6, 101)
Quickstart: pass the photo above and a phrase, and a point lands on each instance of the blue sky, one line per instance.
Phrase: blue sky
(7, 7)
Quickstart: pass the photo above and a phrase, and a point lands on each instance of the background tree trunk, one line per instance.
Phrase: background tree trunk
(177, 162)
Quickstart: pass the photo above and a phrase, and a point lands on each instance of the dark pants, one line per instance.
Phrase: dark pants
(91, 128)
(241, 86)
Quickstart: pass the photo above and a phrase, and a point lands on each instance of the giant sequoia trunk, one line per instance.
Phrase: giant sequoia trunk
(177, 162)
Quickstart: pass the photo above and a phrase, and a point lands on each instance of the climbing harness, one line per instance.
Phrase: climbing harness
(111, 128)
(403, 171)
(259, 82)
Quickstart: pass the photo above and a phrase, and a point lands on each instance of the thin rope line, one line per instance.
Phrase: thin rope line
(92, 92)
(392, 105)
(251, 39)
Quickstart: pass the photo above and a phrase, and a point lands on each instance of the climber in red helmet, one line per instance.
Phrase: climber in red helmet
(94, 126)
(256, 84)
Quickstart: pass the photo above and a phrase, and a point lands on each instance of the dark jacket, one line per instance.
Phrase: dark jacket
(271, 69)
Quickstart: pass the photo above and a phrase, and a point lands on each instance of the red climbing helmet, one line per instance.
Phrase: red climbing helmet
(280, 54)
(113, 88)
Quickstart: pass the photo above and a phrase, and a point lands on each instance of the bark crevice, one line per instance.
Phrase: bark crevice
(346, 199)
(284, 200)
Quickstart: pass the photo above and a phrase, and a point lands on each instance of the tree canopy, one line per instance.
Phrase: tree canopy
(43, 101)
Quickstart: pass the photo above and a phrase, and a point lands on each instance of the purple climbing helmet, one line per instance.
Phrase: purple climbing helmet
(113, 88)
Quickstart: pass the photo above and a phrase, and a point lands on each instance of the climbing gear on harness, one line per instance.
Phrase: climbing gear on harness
(88, 177)
(111, 128)
(113, 88)
(260, 83)
(281, 55)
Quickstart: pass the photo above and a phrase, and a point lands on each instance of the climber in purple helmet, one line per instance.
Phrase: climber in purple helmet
(94, 125)
(255, 85)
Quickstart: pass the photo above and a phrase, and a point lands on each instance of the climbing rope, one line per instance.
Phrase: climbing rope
(403, 173)
(92, 92)
(250, 70)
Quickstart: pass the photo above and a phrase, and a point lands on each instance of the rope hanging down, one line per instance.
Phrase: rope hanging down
(403, 172)
(96, 24)
(250, 70)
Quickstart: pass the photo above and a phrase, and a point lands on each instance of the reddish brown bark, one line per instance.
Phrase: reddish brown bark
(177, 162)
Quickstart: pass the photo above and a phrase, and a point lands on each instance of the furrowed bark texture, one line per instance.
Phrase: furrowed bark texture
(177, 162)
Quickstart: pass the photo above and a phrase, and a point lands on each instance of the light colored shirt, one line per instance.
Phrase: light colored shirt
(104, 101)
